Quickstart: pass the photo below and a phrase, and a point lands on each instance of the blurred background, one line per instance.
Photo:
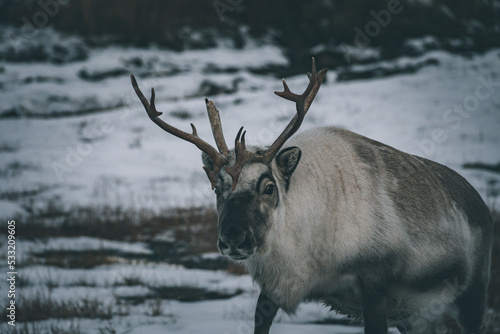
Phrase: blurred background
(115, 219)
(298, 28)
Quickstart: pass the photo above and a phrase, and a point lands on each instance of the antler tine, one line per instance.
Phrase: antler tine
(242, 157)
(219, 158)
(141, 96)
(215, 123)
(286, 93)
(302, 102)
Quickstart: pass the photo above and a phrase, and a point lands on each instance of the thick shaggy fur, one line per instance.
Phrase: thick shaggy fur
(357, 218)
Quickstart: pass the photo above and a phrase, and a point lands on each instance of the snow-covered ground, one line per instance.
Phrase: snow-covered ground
(83, 139)
(106, 284)
(119, 157)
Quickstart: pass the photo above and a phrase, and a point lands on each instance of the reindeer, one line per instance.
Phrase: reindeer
(386, 237)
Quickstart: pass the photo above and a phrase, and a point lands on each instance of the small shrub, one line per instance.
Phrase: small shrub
(9, 147)
(156, 307)
(132, 280)
(15, 169)
(181, 114)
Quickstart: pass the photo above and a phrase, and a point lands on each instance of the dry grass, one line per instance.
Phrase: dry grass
(42, 306)
(197, 226)
(192, 231)
(156, 307)
(37, 328)
(86, 259)
(15, 169)
(9, 147)
(195, 229)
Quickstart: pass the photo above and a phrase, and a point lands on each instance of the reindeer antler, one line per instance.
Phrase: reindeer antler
(302, 102)
(219, 157)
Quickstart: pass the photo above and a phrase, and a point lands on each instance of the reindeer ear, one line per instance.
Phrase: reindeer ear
(207, 161)
(287, 159)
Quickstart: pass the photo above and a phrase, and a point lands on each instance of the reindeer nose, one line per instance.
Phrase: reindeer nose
(236, 243)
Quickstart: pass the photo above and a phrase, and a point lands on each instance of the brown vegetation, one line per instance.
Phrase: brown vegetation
(197, 226)
(42, 306)
(194, 228)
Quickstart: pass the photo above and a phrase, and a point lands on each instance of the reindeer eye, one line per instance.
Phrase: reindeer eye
(217, 191)
(269, 189)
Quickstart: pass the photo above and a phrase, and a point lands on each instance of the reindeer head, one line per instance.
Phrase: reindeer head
(248, 187)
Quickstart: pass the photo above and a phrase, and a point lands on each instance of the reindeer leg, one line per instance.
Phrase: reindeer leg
(374, 303)
(264, 314)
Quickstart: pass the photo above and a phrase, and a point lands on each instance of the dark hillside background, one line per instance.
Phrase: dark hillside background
(457, 25)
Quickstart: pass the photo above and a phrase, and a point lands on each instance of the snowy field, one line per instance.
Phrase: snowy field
(117, 156)
(83, 139)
